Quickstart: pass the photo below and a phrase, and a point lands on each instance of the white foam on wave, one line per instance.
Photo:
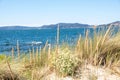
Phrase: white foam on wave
(34, 42)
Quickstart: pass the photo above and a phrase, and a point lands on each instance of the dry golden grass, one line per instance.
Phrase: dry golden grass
(101, 50)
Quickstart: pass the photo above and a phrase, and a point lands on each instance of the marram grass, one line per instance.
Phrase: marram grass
(101, 50)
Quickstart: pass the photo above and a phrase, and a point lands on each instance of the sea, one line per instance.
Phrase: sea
(29, 39)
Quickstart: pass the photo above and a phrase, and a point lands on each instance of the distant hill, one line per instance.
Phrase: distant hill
(66, 25)
(116, 23)
(16, 28)
(62, 25)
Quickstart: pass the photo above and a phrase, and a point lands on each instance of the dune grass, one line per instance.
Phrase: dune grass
(101, 50)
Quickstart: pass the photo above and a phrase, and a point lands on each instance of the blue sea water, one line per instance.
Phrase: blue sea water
(37, 37)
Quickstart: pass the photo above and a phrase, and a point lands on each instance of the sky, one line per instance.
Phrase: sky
(45, 12)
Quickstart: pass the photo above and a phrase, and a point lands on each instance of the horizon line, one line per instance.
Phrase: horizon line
(55, 24)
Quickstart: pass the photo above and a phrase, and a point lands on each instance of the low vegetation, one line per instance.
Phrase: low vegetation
(102, 50)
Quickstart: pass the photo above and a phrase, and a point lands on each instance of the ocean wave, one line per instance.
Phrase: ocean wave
(34, 42)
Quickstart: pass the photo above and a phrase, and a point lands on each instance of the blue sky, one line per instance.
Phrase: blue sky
(43, 12)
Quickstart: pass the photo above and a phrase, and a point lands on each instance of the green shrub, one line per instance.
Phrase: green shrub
(65, 63)
(2, 57)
